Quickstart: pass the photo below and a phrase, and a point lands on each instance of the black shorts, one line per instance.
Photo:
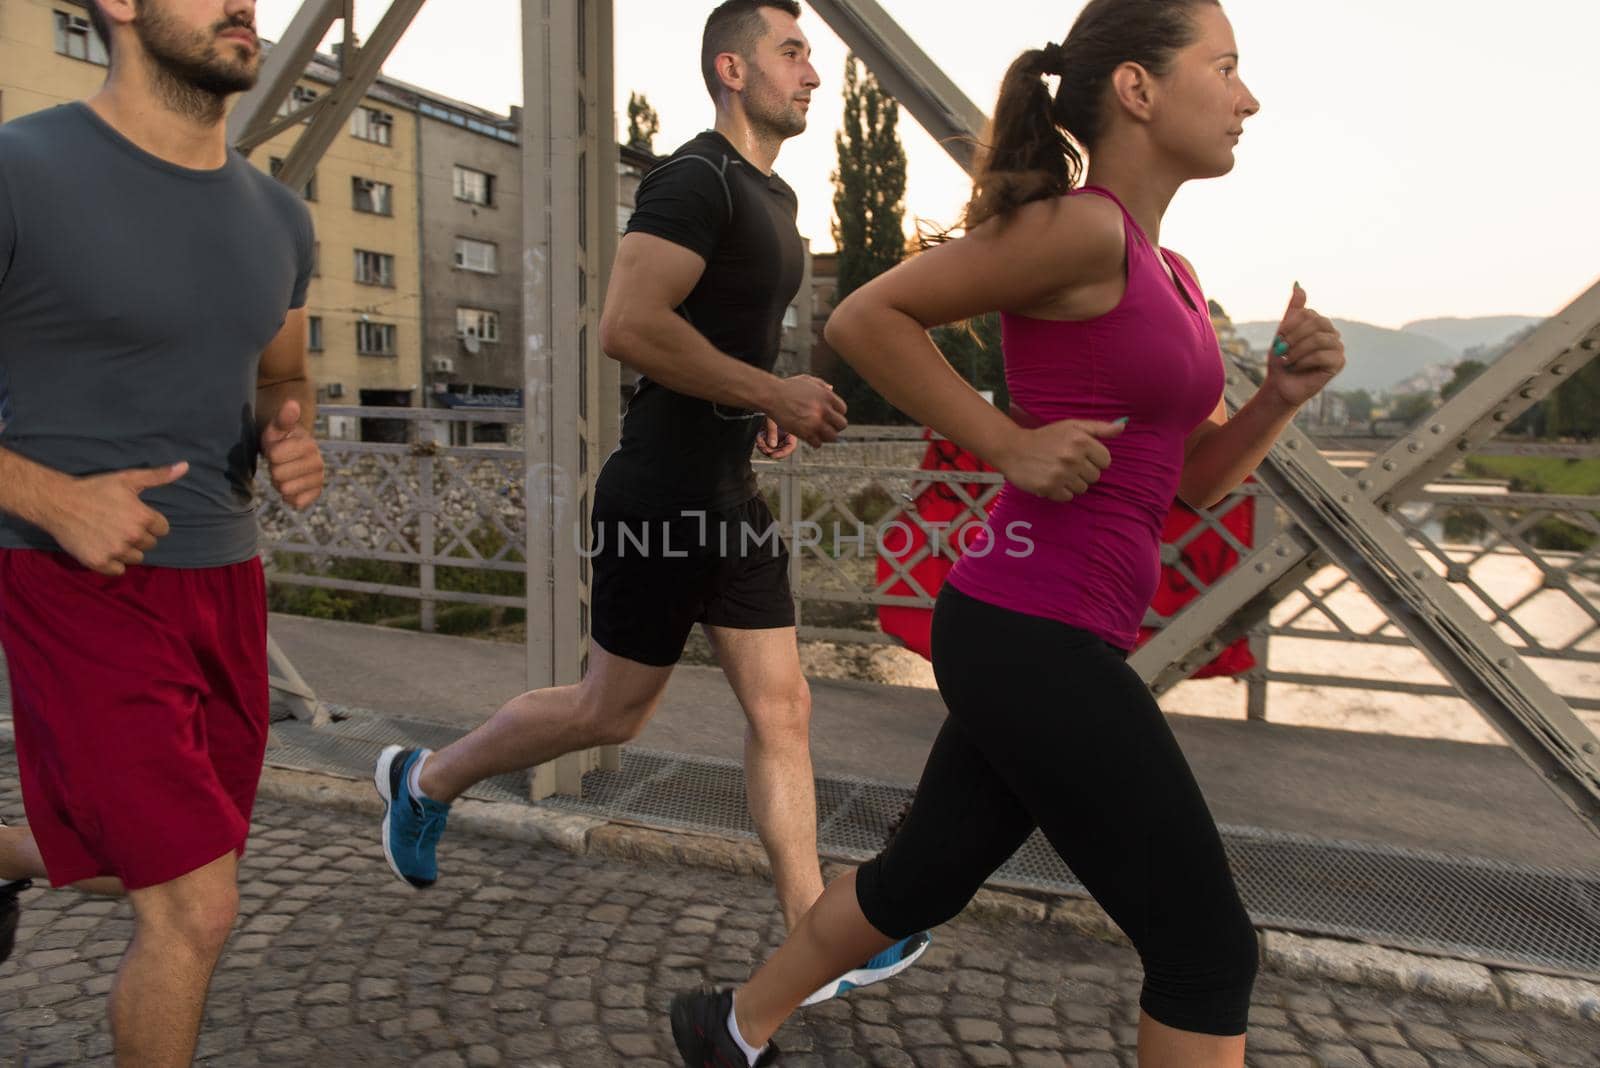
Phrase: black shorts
(655, 578)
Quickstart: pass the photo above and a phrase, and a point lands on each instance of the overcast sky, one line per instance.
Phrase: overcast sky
(1414, 158)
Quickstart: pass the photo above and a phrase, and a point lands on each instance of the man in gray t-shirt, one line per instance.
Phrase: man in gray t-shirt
(152, 347)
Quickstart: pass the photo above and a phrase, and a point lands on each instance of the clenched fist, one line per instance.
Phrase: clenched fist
(293, 459)
(808, 408)
(1307, 353)
(1060, 460)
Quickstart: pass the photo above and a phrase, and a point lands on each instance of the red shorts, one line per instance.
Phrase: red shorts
(140, 705)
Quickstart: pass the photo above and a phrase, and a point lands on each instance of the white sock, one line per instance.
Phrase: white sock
(750, 1051)
(414, 780)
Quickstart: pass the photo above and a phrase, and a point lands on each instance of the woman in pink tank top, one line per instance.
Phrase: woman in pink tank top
(1117, 381)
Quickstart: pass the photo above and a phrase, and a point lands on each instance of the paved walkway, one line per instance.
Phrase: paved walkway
(1416, 793)
(531, 956)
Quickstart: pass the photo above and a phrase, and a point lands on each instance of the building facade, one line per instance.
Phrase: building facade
(364, 307)
(48, 55)
(417, 294)
(471, 190)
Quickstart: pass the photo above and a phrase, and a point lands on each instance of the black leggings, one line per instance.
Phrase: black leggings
(1050, 727)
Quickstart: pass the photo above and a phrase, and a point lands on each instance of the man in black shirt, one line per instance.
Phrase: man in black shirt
(709, 264)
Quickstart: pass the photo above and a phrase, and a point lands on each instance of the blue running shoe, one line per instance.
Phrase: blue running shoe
(886, 965)
(411, 824)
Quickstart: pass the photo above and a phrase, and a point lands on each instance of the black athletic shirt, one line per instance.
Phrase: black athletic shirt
(679, 452)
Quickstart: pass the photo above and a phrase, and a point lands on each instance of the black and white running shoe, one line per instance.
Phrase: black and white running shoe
(700, 1028)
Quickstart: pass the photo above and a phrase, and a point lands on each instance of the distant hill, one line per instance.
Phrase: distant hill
(1381, 359)
(1377, 358)
(1464, 334)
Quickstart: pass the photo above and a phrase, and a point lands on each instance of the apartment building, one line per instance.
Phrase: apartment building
(364, 308)
(49, 55)
(417, 295)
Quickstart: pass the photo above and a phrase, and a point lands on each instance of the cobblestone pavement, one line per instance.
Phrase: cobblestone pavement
(531, 956)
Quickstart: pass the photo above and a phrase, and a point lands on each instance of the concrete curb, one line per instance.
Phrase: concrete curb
(1283, 952)
(1287, 954)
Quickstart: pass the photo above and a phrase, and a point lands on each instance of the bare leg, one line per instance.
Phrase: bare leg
(609, 707)
(763, 667)
(1161, 1046)
(20, 859)
(159, 996)
(834, 936)
(830, 940)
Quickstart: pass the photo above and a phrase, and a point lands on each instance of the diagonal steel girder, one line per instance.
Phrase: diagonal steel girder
(905, 70)
(1354, 531)
(359, 69)
(1515, 382)
(282, 68)
(1339, 518)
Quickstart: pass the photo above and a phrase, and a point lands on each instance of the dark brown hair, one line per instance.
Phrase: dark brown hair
(1037, 141)
(735, 26)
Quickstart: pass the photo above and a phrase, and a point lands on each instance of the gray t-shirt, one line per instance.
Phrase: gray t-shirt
(136, 297)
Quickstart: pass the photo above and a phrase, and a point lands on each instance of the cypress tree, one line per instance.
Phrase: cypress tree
(869, 210)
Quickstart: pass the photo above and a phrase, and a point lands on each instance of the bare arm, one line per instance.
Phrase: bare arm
(1047, 248)
(284, 375)
(1222, 452)
(98, 519)
(640, 326)
(30, 491)
(286, 415)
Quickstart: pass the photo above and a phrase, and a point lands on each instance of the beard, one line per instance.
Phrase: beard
(771, 111)
(194, 75)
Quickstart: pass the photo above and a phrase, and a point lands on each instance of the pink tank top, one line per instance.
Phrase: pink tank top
(1094, 561)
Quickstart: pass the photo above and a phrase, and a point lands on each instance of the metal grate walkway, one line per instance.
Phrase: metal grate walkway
(1486, 911)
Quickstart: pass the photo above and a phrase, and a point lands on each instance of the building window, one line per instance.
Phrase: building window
(374, 268)
(370, 124)
(299, 98)
(308, 191)
(314, 333)
(375, 339)
(475, 187)
(76, 38)
(375, 198)
(478, 323)
(481, 256)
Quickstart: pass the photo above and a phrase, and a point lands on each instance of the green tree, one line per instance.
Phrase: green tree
(1360, 404)
(869, 211)
(1410, 407)
(1574, 409)
(973, 349)
(643, 123)
(1466, 371)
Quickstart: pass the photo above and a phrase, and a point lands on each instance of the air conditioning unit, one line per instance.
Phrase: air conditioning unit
(442, 365)
(334, 390)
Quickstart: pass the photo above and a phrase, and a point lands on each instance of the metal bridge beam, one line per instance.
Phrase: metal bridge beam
(569, 179)
(359, 69)
(282, 68)
(1509, 387)
(905, 70)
